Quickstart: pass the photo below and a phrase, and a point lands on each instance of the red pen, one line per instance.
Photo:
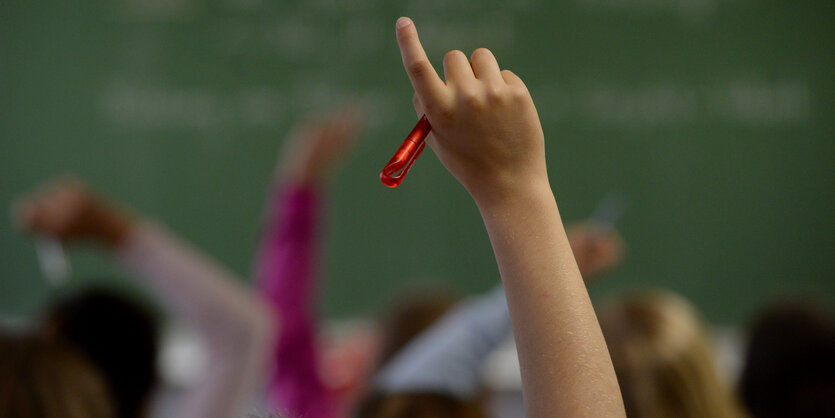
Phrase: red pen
(396, 169)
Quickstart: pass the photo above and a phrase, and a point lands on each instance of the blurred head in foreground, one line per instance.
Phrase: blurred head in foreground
(419, 405)
(118, 336)
(790, 363)
(664, 358)
(408, 316)
(43, 378)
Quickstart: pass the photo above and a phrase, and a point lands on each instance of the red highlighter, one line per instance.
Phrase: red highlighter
(396, 169)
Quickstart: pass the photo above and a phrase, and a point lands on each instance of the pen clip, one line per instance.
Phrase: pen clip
(395, 170)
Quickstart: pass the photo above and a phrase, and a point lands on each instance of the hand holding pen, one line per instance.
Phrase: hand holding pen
(485, 129)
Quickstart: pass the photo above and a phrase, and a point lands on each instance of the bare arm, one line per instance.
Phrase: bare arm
(563, 357)
(486, 132)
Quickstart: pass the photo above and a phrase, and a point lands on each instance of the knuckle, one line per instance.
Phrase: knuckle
(439, 111)
(495, 93)
(418, 68)
(470, 97)
(519, 93)
(433, 108)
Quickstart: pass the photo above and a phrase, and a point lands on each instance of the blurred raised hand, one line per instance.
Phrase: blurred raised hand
(67, 210)
(316, 146)
(596, 249)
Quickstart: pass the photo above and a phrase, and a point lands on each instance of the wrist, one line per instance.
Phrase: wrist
(109, 226)
(299, 175)
(504, 193)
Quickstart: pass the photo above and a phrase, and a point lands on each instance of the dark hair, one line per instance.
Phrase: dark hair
(405, 318)
(419, 405)
(790, 363)
(118, 336)
(408, 316)
(41, 378)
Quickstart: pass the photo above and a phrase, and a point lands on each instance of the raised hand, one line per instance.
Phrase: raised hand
(486, 132)
(596, 250)
(67, 210)
(485, 129)
(314, 147)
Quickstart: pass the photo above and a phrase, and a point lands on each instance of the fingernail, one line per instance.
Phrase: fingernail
(403, 22)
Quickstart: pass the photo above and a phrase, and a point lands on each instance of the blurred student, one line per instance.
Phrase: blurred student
(42, 378)
(287, 277)
(236, 327)
(790, 362)
(664, 359)
(407, 316)
(118, 336)
(438, 373)
(287, 259)
(486, 132)
(286, 271)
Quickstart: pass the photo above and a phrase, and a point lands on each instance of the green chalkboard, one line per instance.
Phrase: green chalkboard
(715, 119)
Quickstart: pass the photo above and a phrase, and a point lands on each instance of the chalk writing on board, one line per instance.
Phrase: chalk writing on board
(162, 108)
(744, 102)
(686, 9)
(159, 107)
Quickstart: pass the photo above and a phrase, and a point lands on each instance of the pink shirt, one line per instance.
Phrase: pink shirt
(285, 274)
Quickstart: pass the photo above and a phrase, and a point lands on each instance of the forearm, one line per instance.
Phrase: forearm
(566, 369)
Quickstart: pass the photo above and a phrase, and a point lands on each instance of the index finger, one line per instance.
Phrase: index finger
(424, 79)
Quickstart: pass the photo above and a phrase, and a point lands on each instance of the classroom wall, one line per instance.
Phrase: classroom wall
(714, 119)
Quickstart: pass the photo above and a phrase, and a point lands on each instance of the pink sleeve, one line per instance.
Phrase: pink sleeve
(286, 278)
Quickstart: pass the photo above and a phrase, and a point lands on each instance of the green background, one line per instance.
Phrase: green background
(713, 118)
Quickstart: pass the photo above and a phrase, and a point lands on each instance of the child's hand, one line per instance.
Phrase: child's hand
(596, 250)
(66, 210)
(485, 129)
(315, 146)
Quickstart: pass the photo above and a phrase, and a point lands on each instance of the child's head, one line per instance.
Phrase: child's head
(790, 362)
(46, 378)
(664, 358)
(419, 405)
(408, 316)
(118, 336)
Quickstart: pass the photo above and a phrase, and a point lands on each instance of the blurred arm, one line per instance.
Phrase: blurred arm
(447, 357)
(287, 257)
(286, 278)
(237, 328)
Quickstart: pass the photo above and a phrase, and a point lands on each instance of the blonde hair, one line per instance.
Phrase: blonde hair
(46, 378)
(664, 358)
